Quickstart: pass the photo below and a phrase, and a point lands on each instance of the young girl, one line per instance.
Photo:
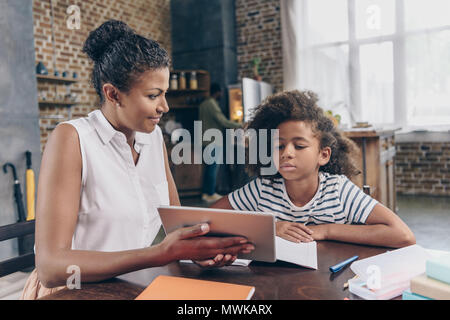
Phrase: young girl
(103, 176)
(311, 195)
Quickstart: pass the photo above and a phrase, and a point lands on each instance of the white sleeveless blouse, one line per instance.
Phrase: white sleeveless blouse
(118, 198)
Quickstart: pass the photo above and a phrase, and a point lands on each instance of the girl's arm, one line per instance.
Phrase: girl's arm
(56, 217)
(383, 228)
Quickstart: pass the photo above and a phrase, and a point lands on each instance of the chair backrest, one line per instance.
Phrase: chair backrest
(24, 231)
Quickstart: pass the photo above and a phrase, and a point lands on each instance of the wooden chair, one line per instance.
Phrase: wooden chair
(25, 232)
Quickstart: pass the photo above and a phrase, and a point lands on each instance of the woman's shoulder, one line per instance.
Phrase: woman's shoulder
(74, 129)
(63, 148)
(67, 134)
(82, 125)
(64, 132)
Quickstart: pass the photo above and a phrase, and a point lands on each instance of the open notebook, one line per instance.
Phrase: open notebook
(303, 254)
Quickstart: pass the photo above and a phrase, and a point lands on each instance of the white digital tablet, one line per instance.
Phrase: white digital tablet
(257, 227)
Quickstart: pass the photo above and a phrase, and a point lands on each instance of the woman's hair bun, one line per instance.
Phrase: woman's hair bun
(102, 37)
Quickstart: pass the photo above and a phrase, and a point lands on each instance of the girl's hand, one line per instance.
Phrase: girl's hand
(294, 231)
(320, 231)
(188, 243)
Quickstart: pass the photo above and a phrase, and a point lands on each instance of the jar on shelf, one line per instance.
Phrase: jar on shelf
(182, 81)
(173, 81)
(193, 83)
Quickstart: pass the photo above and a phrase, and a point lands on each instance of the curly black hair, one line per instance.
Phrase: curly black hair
(120, 56)
(302, 106)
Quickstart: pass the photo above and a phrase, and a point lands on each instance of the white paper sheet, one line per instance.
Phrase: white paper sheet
(303, 254)
(237, 262)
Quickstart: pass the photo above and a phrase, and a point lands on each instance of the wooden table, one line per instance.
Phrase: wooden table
(272, 281)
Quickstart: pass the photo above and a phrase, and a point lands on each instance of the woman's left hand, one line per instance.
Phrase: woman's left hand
(219, 261)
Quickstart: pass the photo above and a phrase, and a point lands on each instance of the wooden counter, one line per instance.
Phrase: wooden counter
(376, 162)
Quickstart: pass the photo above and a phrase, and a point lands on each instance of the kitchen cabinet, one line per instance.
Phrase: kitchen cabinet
(376, 161)
(183, 102)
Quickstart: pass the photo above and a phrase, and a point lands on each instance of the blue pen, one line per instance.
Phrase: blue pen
(342, 264)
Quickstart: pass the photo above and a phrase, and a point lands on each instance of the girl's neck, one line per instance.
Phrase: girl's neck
(301, 191)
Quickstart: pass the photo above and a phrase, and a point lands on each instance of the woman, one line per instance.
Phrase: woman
(103, 176)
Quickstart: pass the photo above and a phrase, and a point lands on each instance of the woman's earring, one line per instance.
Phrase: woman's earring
(118, 104)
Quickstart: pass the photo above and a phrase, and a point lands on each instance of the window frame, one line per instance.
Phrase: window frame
(398, 39)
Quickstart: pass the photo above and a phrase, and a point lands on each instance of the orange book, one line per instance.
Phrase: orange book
(176, 288)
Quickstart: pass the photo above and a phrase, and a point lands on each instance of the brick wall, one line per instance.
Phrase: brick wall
(423, 168)
(150, 18)
(258, 28)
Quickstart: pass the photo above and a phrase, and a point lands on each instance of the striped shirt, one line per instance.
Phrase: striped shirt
(337, 200)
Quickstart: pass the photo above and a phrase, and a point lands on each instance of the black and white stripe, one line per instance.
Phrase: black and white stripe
(337, 200)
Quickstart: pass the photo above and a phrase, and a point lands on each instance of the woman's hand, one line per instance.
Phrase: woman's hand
(294, 231)
(219, 261)
(188, 243)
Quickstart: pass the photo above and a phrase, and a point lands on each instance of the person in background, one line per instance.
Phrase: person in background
(103, 176)
(212, 117)
(311, 195)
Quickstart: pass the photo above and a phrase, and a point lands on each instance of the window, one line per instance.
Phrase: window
(385, 61)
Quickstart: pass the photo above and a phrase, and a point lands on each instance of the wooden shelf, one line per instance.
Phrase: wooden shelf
(186, 106)
(201, 72)
(57, 103)
(370, 132)
(185, 91)
(56, 79)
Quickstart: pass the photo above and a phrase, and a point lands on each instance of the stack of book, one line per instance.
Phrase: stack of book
(434, 284)
(386, 276)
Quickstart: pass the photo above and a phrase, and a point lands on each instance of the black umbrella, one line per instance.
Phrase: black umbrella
(17, 191)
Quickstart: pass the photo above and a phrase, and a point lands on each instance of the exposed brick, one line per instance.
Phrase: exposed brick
(258, 35)
(433, 153)
(69, 43)
(423, 168)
